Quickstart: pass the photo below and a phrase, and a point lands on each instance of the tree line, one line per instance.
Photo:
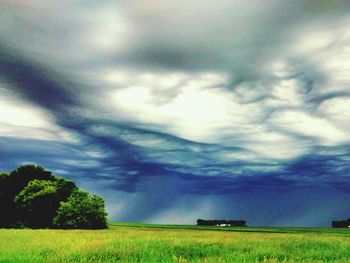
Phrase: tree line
(33, 197)
(341, 223)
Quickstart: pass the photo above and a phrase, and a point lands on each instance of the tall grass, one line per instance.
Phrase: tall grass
(144, 244)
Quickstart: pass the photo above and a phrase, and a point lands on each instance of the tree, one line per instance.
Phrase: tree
(20, 177)
(11, 185)
(38, 202)
(3, 184)
(3, 177)
(81, 211)
(5, 202)
(31, 196)
(341, 223)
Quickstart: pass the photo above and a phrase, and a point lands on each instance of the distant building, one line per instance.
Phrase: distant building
(221, 223)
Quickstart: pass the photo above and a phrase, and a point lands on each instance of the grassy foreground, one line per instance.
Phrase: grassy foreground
(157, 243)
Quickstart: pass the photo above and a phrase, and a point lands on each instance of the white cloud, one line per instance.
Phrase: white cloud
(21, 119)
(285, 93)
(306, 124)
(337, 110)
(273, 145)
(193, 112)
(19, 113)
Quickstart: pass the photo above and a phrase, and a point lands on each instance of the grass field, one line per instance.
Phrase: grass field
(124, 242)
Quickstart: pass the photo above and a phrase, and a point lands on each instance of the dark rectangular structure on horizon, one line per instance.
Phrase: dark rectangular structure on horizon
(202, 222)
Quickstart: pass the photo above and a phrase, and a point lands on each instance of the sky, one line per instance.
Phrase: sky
(179, 110)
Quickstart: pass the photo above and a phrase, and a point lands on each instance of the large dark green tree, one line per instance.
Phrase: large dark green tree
(31, 196)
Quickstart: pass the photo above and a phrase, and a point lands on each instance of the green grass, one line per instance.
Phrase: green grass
(131, 242)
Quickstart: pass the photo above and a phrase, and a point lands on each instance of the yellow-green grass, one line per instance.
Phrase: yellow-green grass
(170, 243)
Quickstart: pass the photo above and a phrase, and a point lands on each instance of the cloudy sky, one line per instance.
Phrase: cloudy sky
(178, 110)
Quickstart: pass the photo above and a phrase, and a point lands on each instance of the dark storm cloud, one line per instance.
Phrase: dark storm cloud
(237, 37)
(163, 101)
(34, 82)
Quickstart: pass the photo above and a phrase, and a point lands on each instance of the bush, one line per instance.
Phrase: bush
(81, 211)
